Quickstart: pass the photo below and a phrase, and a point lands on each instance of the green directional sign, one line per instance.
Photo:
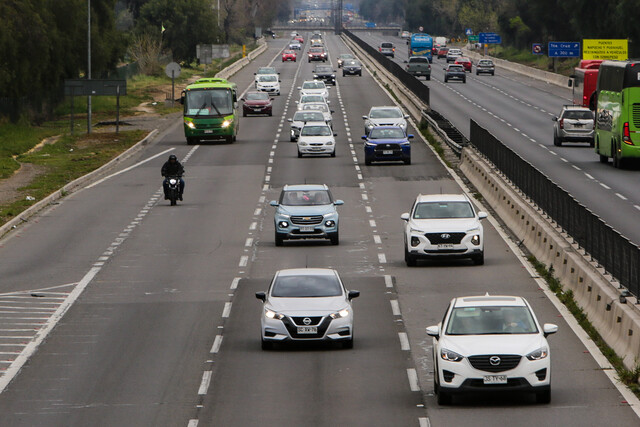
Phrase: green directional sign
(474, 39)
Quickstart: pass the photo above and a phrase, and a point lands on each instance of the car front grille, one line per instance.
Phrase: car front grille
(636, 115)
(293, 328)
(307, 220)
(299, 320)
(381, 147)
(440, 238)
(501, 363)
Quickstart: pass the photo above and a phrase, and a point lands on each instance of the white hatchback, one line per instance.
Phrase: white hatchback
(307, 304)
(269, 83)
(314, 87)
(443, 226)
(316, 138)
(491, 343)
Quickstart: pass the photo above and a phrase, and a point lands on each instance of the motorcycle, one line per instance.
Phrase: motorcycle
(173, 191)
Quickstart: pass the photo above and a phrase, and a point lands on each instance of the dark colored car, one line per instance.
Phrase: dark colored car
(455, 72)
(465, 62)
(317, 54)
(257, 103)
(351, 67)
(442, 52)
(325, 73)
(387, 143)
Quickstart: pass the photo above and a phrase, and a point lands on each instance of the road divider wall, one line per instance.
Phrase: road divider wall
(594, 289)
(229, 71)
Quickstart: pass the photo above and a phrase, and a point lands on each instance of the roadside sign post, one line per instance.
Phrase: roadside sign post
(536, 48)
(95, 87)
(468, 32)
(173, 70)
(489, 38)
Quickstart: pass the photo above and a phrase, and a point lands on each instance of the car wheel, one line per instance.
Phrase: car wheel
(270, 113)
(343, 74)
(464, 80)
(592, 143)
(334, 153)
(191, 141)
(299, 154)
(604, 159)
(367, 161)
(493, 74)
(335, 238)
(409, 259)
(348, 344)
(407, 161)
(360, 74)
(266, 345)
(292, 139)
(446, 80)
(477, 73)
(556, 141)
(279, 239)
(478, 259)
(444, 398)
(543, 396)
(428, 77)
(244, 114)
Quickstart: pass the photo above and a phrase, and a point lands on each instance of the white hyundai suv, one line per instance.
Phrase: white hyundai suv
(491, 343)
(443, 226)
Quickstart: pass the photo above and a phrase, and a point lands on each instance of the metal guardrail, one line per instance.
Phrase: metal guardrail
(449, 133)
(614, 252)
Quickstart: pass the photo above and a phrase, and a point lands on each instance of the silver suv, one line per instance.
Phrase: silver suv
(387, 49)
(453, 54)
(574, 124)
(485, 66)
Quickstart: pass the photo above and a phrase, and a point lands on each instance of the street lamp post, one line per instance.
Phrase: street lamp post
(89, 63)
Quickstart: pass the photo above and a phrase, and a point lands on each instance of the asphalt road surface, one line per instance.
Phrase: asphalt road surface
(166, 330)
(518, 111)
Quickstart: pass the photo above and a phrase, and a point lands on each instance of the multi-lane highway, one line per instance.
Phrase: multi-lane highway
(518, 110)
(167, 330)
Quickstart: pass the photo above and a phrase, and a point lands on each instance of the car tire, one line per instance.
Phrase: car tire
(335, 238)
(266, 345)
(493, 73)
(270, 113)
(446, 80)
(592, 143)
(543, 396)
(407, 161)
(477, 73)
(464, 80)
(409, 259)
(343, 74)
(244, 114)
(478, 259)
(348, 344)
(604, 159)
(360, 74)
(334, 153)
(444, 398)
(292, 139)
(556, 141)
(367, 161)
(279, 239)
(299, 154)
(428, 78)
(191, 141)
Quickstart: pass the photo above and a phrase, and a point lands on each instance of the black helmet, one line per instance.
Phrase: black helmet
(173, 157)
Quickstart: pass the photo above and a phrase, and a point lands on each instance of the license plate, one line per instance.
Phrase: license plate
(578, 125)
(307, 329)
(387, 152)
(307, 229)
(445, 246)
(208, 131)
(493, 379)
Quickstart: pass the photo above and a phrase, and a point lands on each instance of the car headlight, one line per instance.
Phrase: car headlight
(273, 315)
(538, 354)
(190, 124)
(450, 356)
(329, 142)
(342, 313)
(303, 143)
(315, 76)
(475, 240)
(405, 144)
(369, 144)
(227, 123)
(417, 231)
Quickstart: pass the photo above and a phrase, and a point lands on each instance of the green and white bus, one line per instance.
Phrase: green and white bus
(618, 112)
(210, 110)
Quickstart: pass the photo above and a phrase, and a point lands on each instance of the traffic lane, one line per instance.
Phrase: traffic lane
(294, 384)
(580, 390)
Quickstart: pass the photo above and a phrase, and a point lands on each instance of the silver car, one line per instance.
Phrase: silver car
(307, 304)
(300, 118)
(385, 116)
(319, 106)
(312, 98)
(387, 49)
(485, 66)
(575, 124)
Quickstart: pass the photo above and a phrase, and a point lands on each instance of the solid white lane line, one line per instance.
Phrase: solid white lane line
(216, 344)
(234, 283)
(204, 384)
(100, 181)
(404, 341)
(413, 379)
(395, 307)
(227, 309)
(382, 259)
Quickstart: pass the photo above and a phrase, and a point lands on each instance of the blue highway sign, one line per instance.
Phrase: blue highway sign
(564, 49)
(490, 38)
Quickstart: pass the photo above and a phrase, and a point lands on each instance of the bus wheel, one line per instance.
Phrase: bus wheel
(604, 159)
(617, 161)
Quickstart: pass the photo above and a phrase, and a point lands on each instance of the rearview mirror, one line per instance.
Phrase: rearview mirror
(554, 119)
(261, 296)
(405, 216)
(482, 215)
(364, 137)
(290, 120)
(273, 203)
(338, 202)
(433, 331)
(549, 329)
(364, 117)
(410, 136)
(353, 294)
(299, 88)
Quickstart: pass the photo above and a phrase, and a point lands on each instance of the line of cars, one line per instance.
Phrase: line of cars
(484, 343)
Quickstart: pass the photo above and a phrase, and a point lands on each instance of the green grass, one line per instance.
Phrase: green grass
(626, 376)
(423, 127)
(67, 159)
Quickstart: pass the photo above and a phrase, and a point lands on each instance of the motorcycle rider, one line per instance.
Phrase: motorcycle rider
(172, 167)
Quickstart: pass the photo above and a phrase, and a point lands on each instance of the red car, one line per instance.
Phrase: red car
(442, 52)
(289, 55)
(257, 103)
(434, 50)
(465, 62)
(300, 39)
(317, 54)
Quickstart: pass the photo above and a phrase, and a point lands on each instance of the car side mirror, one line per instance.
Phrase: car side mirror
(279, 81)
(296, 102)
(482, 215)
(261, 296)
(405, 216)
(254, 74)
(299, 88)
(242, 99)
(353, 294)
(273, 203)
(433, 331)
(410, 136)
(339, 202)
(272, 99)
(406, 116)
(335, 134)
(182, 100)
(328, 102)
(405, 62)
(364, 137)
(332, 111)
(549, 329)
(364, 117)
(290, 120)
(445, 69)
(554, 119)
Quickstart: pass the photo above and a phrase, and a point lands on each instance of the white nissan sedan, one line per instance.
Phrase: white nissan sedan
(491, 343)
(307, 304)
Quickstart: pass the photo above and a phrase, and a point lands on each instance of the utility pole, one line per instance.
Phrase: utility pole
(89, 63)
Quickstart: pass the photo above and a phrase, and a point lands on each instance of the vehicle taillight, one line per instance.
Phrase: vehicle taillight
(561, 123)
(627, 134)
(394, 49)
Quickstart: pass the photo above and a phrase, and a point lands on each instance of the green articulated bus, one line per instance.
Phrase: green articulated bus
(618, 112)
(210, 110)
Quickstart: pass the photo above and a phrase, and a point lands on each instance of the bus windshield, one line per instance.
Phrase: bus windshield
(208, 102)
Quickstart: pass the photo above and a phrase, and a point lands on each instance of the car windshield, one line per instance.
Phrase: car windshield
(461, 59)
(385, 113)
(346, 56)
(311, 98)
(257, 96)
(323, 70)
(386, 45)
(308, 116)
(416, 59)
(483, 320)
(305, 198)
(289, 52)
(312, 286)
(443, 210)
(316, 106)
(455, 67)
(316, 131)
(386, 133)
(315, 50)
(266, 70)
(485, 62)
(268, 78)
(578, 115)
(351, 63)
(208, 102)
(313, 85)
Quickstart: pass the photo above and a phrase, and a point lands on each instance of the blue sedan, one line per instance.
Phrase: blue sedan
(387, 143)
